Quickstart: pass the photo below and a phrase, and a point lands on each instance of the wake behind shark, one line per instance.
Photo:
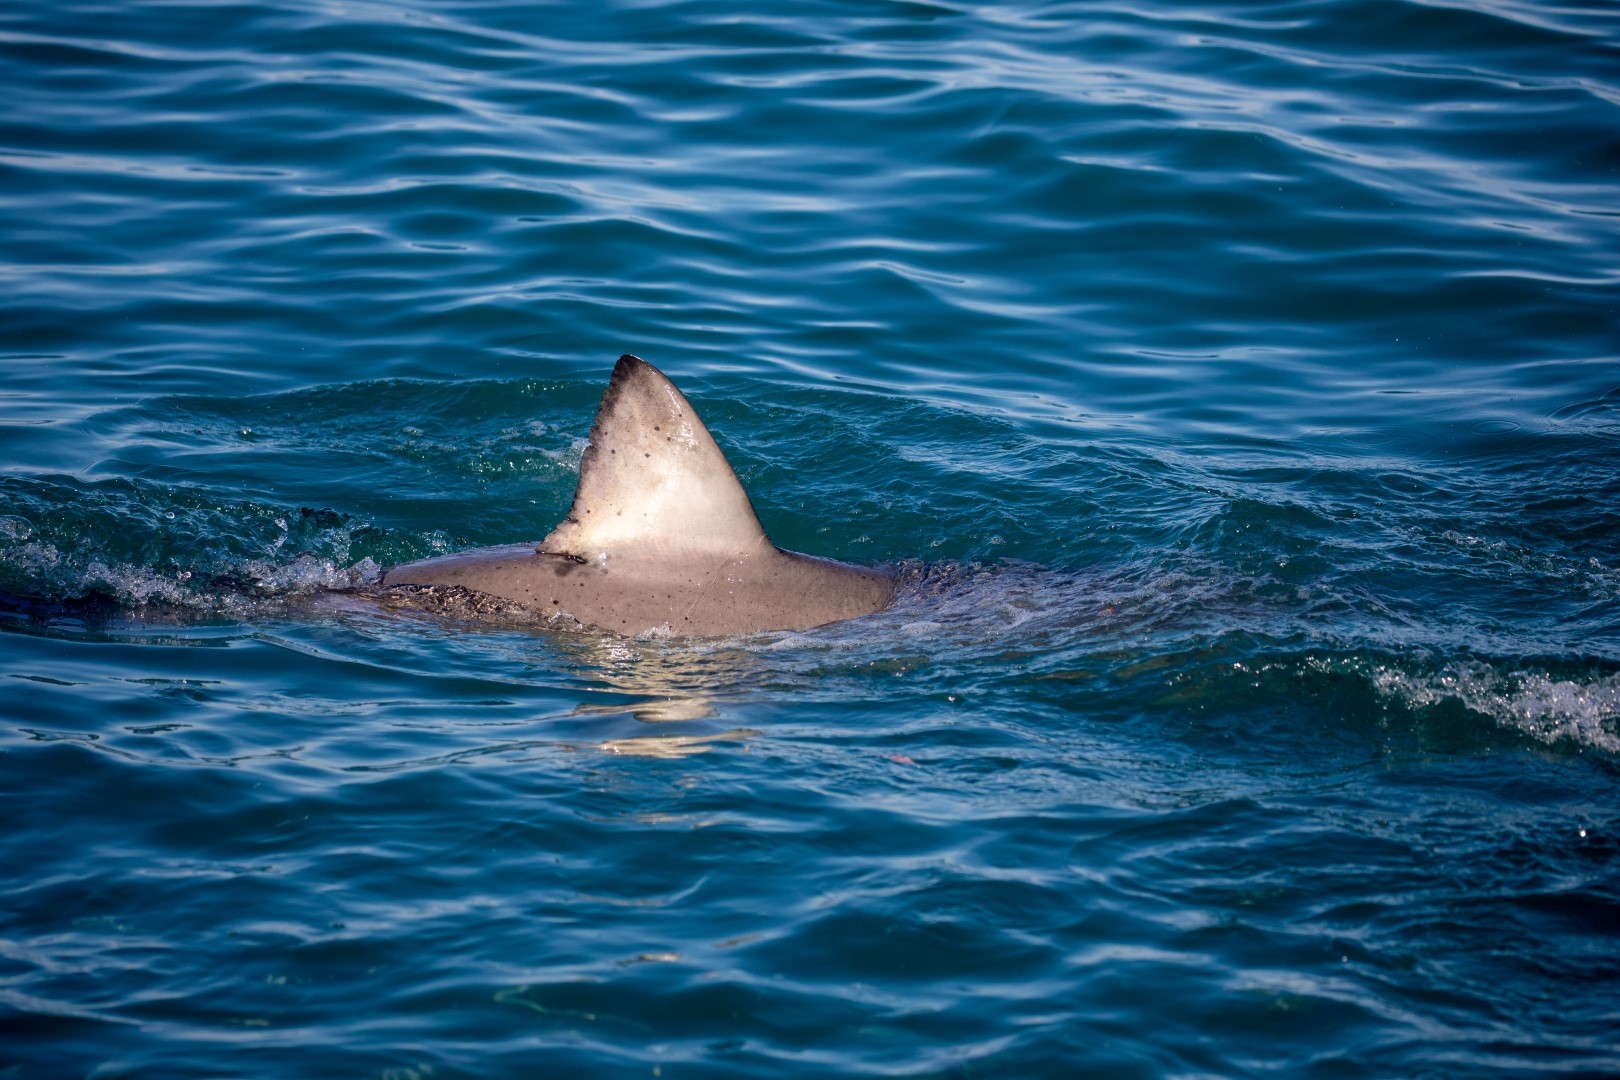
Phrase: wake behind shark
(661, 539)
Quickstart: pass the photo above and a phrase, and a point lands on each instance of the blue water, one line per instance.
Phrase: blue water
(1236, 389)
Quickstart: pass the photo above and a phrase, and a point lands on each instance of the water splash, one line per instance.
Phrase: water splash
(1541, 705)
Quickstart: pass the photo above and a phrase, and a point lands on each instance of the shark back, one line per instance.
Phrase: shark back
(661, 538)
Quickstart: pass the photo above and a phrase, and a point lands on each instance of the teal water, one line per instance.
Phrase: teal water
(1235, 387)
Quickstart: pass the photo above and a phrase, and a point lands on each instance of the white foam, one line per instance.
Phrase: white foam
(307, 574)
(1546, 708)
(51, 571)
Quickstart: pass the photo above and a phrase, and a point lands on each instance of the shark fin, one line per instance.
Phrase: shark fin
(653, 480)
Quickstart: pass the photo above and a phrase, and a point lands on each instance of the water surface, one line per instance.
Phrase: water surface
(1236, 389)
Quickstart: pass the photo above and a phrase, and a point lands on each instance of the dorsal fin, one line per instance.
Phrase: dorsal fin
(653, 479)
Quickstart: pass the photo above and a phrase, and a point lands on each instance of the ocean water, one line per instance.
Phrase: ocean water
(1235, 388)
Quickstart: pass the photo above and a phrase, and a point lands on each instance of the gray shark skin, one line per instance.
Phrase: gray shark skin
(661, 539)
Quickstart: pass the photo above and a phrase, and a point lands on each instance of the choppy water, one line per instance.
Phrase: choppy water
(1238, 387)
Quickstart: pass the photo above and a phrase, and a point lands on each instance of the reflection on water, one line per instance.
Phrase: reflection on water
(675, 746)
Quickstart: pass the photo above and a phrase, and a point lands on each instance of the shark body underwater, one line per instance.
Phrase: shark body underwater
(661, 539)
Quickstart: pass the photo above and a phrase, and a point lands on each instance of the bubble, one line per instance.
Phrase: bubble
(13, 527)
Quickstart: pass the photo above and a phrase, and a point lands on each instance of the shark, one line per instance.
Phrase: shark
(661, 540)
